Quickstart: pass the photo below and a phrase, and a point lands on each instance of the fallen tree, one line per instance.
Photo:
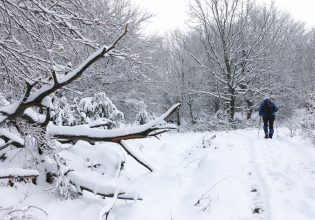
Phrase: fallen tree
(26, 122)
(119, 136)
(85, 133)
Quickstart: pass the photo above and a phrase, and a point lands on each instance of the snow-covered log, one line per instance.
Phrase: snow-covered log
(85, 184)
(103, 122)
(18, 174)
(151, 128)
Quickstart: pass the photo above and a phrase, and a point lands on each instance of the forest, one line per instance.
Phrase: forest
(100, 120)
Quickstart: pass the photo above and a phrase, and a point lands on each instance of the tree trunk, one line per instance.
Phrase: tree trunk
(178, 113)
(189, 103)
(216, 104)
(249, 109)
(232, 104)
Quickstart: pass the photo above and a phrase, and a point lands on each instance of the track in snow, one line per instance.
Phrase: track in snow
(245, 176)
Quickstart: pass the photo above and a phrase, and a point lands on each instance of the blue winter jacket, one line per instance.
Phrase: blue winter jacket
(261, 108)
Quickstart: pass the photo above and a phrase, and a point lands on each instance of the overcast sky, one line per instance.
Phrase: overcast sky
(171, 14)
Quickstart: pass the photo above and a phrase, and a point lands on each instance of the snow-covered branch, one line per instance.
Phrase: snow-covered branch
(35, 99)
(106, 210)
(115, 135)
(85, 184)
(11, 138)
(19, 174)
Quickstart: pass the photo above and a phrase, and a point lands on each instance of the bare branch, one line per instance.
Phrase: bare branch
(125, 147)
(35, 99)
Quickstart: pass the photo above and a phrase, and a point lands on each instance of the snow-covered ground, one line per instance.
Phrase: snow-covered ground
(220, 175)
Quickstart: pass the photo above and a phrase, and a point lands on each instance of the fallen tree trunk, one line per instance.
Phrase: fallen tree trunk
(84, 133)
(119, 136)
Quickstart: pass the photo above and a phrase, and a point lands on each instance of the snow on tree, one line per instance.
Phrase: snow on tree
(143, 116)
(237, 45)
(3, 100)
(308, 122)
(63, 113)
(236, 52)
(44, 47)
(96, 111)
(101, 107)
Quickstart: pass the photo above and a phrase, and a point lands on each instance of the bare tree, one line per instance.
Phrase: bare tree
(238, 39)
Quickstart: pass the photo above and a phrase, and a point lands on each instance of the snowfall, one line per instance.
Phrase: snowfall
(233, 175)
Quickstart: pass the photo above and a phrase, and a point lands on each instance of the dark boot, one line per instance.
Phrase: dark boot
(266, 136)
(271, 132)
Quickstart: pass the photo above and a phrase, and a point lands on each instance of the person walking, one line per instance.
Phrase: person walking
(267, 111)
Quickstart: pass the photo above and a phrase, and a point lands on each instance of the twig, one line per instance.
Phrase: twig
(124, 146)
(203, 196)
(106, 210)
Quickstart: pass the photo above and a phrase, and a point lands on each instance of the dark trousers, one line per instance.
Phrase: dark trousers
(268, 122)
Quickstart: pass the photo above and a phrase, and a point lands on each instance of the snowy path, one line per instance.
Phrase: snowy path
(287, 169)
(221, 176)
(248, 177)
